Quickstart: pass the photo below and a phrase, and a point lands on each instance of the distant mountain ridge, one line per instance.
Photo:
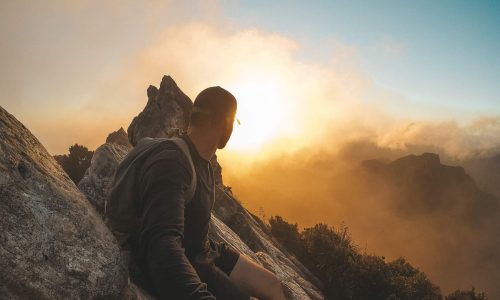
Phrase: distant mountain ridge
(454, 217)
(486, 172)
(424, 179)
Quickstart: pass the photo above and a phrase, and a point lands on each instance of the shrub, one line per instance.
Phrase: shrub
(466, 295)
(76, 162)
(346, 272)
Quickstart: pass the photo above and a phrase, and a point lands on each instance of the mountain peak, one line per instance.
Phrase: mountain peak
(166, 114)
(118, 137)
(427, 159)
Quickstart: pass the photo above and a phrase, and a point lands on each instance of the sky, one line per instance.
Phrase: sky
(74, 71)
(430, 51)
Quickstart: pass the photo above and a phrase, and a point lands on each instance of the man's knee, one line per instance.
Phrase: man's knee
(256, 280)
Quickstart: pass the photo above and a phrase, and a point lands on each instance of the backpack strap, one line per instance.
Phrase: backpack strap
(181, 144)
(124, 178)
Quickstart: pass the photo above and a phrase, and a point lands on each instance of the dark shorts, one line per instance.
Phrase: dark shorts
(226, 258)
(216, 272)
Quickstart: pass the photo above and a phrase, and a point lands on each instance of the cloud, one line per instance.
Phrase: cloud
(61, 58)
(94, 62)
(478, 138)
(281, 98)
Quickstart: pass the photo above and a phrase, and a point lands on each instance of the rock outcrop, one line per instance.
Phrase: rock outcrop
(53, 244)
(118, 137)
(166, 114)
(298, 281)
(97, 181)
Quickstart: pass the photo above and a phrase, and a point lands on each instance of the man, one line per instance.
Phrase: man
(173, 248)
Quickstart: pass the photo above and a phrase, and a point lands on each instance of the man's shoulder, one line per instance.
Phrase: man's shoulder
(167, 152)
(166, 157)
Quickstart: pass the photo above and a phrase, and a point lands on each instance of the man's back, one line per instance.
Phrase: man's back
(168, 226)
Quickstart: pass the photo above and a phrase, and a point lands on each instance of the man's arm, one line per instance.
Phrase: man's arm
(162, 188)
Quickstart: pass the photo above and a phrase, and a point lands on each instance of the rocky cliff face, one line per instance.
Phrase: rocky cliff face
(298, 281)
(53, 244)
(231, 223)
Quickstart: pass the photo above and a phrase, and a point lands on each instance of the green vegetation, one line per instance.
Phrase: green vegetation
(349, 274)
(76, 162)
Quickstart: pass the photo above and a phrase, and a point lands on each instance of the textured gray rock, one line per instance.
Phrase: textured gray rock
(97, 180)
(299, 282)
(166, 114)
(53, 244)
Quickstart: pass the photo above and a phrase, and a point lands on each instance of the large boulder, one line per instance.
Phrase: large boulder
(97, 181)
(53, 244)
(165, 115)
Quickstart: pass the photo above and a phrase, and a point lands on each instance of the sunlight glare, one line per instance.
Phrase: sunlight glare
(261, 112)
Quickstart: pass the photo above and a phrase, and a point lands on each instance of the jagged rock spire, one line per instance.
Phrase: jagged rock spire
(166, 114)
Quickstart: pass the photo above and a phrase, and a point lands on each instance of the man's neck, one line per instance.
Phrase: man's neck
(205, 146)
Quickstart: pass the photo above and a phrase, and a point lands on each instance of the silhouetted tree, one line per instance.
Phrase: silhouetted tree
(287, 234)
(76, 162)
(466, 295)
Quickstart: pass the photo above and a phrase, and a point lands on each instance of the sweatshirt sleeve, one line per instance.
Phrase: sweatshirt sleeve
(162, 188)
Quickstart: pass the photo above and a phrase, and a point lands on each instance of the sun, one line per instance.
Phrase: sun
(262, 112)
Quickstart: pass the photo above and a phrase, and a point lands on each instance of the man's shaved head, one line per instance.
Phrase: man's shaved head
(213, 104)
